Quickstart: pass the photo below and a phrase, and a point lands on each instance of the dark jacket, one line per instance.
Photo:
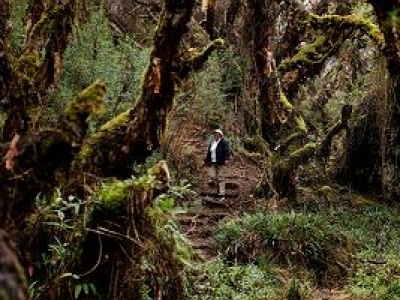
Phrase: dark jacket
(222, 153)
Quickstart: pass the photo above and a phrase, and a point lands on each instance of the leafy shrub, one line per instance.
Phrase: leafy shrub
(206, 95)
(18, 9)
(92, 54)
(290, 239)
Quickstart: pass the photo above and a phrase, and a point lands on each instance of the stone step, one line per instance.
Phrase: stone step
(196, 232)
(193, 220)
(228, 185)
(216, 195)
(214, 202)
(202, 213)
(202, 243)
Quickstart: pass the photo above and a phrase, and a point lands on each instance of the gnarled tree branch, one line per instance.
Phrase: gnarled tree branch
(285, 167)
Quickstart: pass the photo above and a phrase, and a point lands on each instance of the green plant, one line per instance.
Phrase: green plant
(91, 55)
(290, 239)
(58, 227)
(18, 11)
(58, 211)
(379, 280)
(85, 288)
(112, 194)
(216, 280)
(208, 98)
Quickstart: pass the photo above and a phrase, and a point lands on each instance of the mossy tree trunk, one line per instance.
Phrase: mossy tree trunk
(260, 27)
(373, 149)
(388, 119)
(276, 88)
(362, 161)
(24, 80)
(297, 62)
(43, 160)
(281, 67)
(135, 134)
(36, 9)
(38, 67)
(299, 56)
(209, 23)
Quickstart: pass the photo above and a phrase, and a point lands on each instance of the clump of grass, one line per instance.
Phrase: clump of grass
(375, 227)
(217, 280)
(298, 240)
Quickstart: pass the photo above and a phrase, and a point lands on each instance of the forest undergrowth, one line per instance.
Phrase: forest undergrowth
(343, 244)
(290, 229)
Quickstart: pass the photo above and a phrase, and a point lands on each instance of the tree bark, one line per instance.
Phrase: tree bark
(5, 68)
(39, 66)
(13, 282)
(259, 28)
(372, 150)
(209, 24)
(230, 17)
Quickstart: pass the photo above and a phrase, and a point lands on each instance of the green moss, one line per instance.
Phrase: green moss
(294, 159)
(89, 102)
(285, 102)
(305, 152)
(325, 190)
(301, 124)
(308, 55)
(112, 195)
(108, 135)
(349, 21)
(24, 70)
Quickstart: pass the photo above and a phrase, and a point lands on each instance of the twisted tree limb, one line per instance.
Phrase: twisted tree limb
(284, 168)
(197, 60)
(311, 58)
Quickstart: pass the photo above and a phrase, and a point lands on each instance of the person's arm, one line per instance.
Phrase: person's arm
(227, 150)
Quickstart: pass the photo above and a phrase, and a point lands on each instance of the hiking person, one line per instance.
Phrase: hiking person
(218, 154)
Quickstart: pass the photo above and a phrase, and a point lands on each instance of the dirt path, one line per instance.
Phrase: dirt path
(200, 219)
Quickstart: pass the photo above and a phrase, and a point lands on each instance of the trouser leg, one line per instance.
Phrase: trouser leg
(220, 180)
(213, 173)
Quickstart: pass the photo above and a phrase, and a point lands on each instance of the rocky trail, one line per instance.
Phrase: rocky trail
(199, 220)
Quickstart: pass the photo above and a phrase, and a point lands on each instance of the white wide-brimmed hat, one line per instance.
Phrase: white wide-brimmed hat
(219, 131)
